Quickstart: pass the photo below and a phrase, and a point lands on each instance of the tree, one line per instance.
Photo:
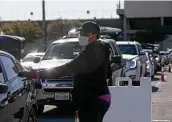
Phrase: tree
(151, 35)
(59, 28)
(29, 30)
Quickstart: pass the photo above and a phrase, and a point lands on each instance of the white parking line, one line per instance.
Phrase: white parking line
(161, 120)
(157, 84)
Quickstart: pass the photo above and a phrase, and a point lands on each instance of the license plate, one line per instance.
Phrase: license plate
(62, 96)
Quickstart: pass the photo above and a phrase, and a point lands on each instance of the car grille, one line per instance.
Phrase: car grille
(56, 85)
(58, 89)
(64, 78)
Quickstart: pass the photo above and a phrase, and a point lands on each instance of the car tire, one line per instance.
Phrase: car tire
(40, 109)
(159, 68)
(32, 115)
(110, 82)
(169, 69)
(152, 76)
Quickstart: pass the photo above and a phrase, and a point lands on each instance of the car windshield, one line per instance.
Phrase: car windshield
(128, 49)
(29, 59)
(68, 50)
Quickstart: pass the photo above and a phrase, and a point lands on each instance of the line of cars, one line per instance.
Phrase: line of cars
(127, 59)
(58, 91)
(26, 98)
(157, 57)
(21, 99)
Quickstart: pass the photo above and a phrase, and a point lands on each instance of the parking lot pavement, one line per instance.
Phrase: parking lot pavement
(162, 99)
(52, 114)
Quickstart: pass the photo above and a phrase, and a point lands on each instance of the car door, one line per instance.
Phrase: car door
(142, 59)
(116, 69)
(23, 96)
(6, 99)
(18, 89)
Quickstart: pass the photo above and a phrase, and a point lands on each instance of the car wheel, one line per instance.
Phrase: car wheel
(32, 116)
(152, 76)
(110, 82)
(40, 109)
(159, 68)
(169, 69)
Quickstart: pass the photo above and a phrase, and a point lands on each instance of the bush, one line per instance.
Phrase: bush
(59, 28)
(151, 35)
(28, 30)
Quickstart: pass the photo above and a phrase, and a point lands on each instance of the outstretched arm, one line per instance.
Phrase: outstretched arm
(88, 60)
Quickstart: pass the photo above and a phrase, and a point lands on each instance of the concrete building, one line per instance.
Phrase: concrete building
(137, 15)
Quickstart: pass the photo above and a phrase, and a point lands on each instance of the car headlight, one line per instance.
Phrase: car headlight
(148, 67)
(157, 59)
(133, 64)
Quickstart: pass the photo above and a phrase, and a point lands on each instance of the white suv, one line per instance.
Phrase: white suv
(134, 58)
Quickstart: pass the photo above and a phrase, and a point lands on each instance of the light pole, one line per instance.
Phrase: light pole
(43, 25)
(125, 27)
(88, 12)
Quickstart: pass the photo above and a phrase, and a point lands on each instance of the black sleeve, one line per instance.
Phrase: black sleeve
(86, 62)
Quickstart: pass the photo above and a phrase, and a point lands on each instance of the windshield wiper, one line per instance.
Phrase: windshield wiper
(50, 58)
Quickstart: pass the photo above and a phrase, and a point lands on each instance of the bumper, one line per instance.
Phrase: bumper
(47, 96)
(133, 74)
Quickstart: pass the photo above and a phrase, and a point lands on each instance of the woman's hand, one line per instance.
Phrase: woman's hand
(29, 74)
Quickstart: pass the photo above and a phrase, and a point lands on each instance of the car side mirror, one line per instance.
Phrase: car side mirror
(3, 88)
(142, 53)
(116, 59)
(37, 59)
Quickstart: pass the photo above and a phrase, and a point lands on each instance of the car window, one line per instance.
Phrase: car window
(68, 50)
(117, 48)
(2, 80)
(28, 59)
(9, 67)
(127, 49)
(114, 48)
(147, 57)
(19, 66)
(111, 54)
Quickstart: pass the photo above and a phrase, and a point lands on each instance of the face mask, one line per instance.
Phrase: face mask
(83, 41)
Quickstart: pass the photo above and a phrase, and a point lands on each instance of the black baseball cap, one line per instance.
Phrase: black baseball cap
(89, 27)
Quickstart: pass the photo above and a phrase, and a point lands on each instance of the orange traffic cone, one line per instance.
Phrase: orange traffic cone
(162, 75)
(76, 116)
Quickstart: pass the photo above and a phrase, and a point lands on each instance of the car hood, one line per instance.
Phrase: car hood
(46, 64)
(129, 57)
(27, 64)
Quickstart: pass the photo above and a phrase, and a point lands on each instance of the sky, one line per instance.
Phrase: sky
(66, 9)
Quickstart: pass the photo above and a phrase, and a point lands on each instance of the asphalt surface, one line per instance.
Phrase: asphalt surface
(162, 99)
(161, 104)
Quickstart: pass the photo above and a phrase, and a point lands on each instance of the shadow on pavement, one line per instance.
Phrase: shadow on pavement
(57, 115)
(154, 89)
(59, 112)
(155, 79)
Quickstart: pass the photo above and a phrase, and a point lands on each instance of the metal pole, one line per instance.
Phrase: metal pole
(125, 27)
(43, 25)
